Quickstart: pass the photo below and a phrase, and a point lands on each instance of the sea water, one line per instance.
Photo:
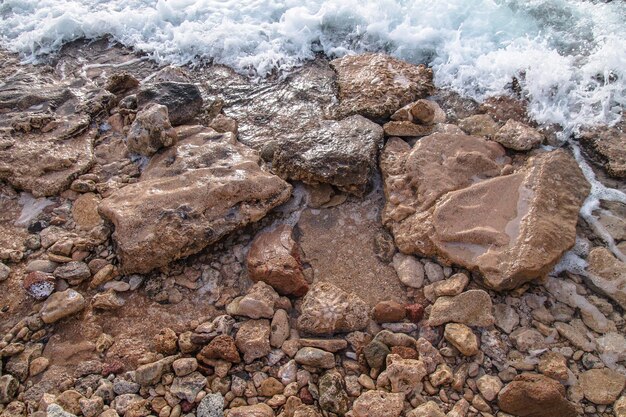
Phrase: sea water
(568, 56)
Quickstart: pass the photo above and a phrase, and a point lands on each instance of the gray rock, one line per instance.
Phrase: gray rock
(211, 406)
(74, 272)
(55, 410)
(183, 100)
(41, 265)
(4, 272)
(315, 357)
(121, 386)
(409, 270)
(187, 387)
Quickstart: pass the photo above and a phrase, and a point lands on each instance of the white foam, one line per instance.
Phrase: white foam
(569, 55)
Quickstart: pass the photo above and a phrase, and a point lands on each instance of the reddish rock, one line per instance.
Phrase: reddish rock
(388, 312)
(414, 312)
(534, 395)
(112, 367)
(222, 347)
(274, 259)
(39, 284)
(186, 406)
(404, 352)
(305, 396)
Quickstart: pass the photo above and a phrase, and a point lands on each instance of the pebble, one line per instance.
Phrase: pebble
(315, 357)
(62, 304)
(434, 271)
(410, 271)
(461, 338)
(4, 272)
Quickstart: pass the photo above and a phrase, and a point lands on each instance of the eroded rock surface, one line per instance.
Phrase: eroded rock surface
(188, 197)
(453, 196)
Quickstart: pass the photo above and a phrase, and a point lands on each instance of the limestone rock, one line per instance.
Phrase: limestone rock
(253, 339)
(257, 303)
(409, 270)
(376, 85)
(327, 309)
(533, 395)
(151, 130)
(448, 197)
(62, 304)
(518, 136)
(213, 186)
(461, 338)
(606, 148)
(341, 153)
(608, 274)
(472, 308)
(274, 259)
(183, 100)
(429, 409)
(602, 386)
(378, 404)
(402, 375)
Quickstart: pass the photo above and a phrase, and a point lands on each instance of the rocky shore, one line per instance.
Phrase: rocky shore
(344, 240)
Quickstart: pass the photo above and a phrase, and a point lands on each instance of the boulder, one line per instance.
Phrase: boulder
(151, 130)
(62, 304)
(327, 309)
(533, 395)
(188, 197)
(274, 258)
(456, 198)
(183, 100)
(376, 85)
(341, 153)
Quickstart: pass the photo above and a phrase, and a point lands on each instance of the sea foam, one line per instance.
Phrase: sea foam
(569, 56)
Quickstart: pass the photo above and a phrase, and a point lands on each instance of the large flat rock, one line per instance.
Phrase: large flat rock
(189, 196)
(456, 198)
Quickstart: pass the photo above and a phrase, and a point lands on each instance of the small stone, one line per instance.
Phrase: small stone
(448, 287)
(270, 387)
(184, 366)
(257, 410)
(69, 400)
(375, 354)
(378, 404)
(410, 271)
(41, 265)
(472, 308)
(74, 272)
(151, 130)
(257, 303)
(415, 312)
(91, 407)
(553, 365)
(332, 395)
(8, 388)
(402, 375)
(39, 285)
(479, 125)
(38, 365)
(253, 339)
(388, 312)
(166, 341)
(577, 338)
(211, 405)
(108, 300)
(62, 304)
(187, 387)
(434, 271)
(602, 386)
(506, 317)
(461, 338)
(280, 328)
(104, 275)
(489, 386)
(55, 410)
(518, 136)
(4, 272)
(526, 339)
(442, 376)
(315, 357)
(620, 407)
(429, 409)
(221, 347)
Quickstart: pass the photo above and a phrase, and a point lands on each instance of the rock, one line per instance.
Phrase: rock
(306, 411)
(270, 387)
(407, 129)
(91, 407)
(315, 357)
(211, 405)
(409, 270)
(442, 376)
(41, 265)
(429, 409)
(606, 148)
(4, 272)
(402, 375)
(187, 387)
(388, 312)
(85, 211)
(39, 285)
(183, 100)
(376, 85)
(608, 274)
(506, 317)
(554, 365)
(257, 303)
(527, 339)
(104, 275)
(253, 339)
(329, 345)
(150, 374)
(274, 258)
(221, 347)
(332, 395)
(479, 125)
(535, 395)
(341, 153)
(472, 308)
(415, 312)
(257, 410)
(578, 339)
(151, 130)
(70, 401)
(166, 341)
(376, 353)
(620, 407)
(8, 388)
(378, 404)
(172, 212)
(518, 136)
(448, 287)
(602, 386)
(38, 365)
(280, 328)
(62, 304)
(108, 300)
(428, 354)
(458, 211)
(461, 338)
(612, 348)
(55, 410)
(327, 309)
(184, 366)
(489, 386)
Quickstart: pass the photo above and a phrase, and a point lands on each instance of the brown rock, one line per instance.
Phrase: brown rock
(85, 211)
(606, 148)
(608, 274)
(257, 410)
(151, 131)
(388, 312)
(274, 258)
(503, 108)
(327, 309)
(213, 187)
(472, 308)
(553, 365)
(461, 338)
(221, 347)
(270, 387)
(479, 125)
(62, 304)
(406, 129)
(602, 386)
(415, 312)
(253, 339)
(511, 228)
(533, 395)
(378, 404)
(166, 341)
(518, 136)
(397, 84)
(39, 284)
